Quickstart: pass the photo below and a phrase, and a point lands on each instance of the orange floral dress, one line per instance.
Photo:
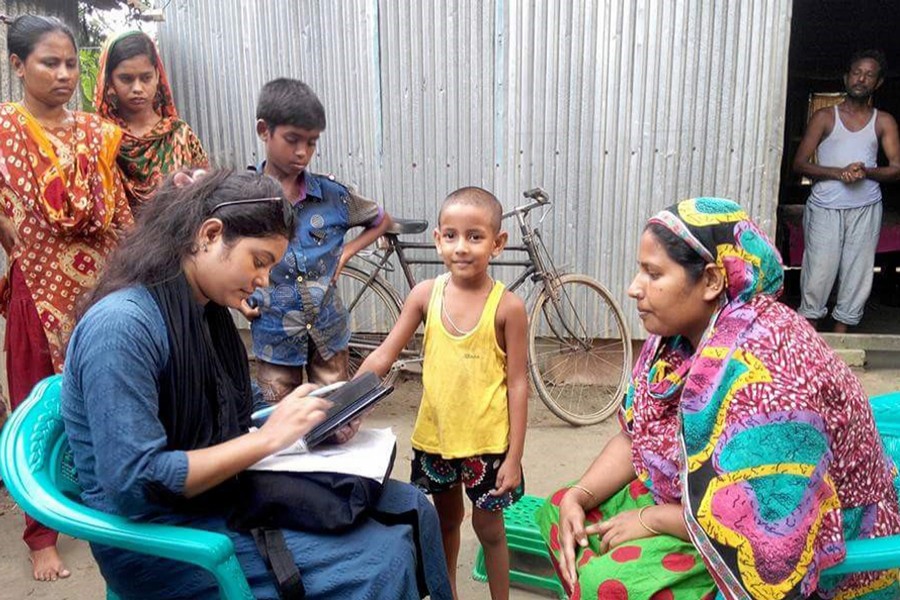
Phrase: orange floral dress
(64, 196)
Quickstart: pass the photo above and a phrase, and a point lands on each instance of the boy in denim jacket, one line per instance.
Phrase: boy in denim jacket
(298, 323)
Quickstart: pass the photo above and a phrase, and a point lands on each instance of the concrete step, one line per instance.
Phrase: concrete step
(854, 357)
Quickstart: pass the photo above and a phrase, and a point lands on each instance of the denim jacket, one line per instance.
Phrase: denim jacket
(300, 303)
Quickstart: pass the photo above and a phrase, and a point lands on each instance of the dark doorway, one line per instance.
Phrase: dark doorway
(824, 35)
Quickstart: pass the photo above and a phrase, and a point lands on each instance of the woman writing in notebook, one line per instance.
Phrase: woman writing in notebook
(157, 400)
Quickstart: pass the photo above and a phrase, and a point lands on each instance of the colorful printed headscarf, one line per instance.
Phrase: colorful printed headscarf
(750, 430)
(169, 146)
(105, 101)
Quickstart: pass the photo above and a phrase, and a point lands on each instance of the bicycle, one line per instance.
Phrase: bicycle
(579, 347)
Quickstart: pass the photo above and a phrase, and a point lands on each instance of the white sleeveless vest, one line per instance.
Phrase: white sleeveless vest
(839, 149)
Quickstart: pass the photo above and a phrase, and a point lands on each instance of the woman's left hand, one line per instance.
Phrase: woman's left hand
(617, 530)
(188, 177)
(346, 433)
(8, 237)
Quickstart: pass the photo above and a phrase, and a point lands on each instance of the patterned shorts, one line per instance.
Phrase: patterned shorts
(433, 474)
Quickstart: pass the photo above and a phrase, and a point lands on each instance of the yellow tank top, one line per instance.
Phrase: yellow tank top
(464, 409)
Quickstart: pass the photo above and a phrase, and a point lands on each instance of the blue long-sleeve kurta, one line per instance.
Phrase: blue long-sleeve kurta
(109, 405)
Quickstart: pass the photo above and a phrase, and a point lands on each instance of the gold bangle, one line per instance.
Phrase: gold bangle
(581, 488)
(644, 525)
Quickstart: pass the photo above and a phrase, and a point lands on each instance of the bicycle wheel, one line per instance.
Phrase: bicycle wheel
(373, 308)
(579, 350)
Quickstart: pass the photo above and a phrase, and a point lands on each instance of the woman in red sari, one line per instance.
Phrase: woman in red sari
(63, 208)
(133, 92)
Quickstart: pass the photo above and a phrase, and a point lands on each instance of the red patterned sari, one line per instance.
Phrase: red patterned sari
(64, 196)
(171, 144)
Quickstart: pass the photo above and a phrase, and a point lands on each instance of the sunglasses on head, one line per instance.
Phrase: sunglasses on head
(287, 211)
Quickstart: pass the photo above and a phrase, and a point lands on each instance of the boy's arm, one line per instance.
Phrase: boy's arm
(366, 212)
(515, 325)
(365, 238)
(515, 330)
(381, 359)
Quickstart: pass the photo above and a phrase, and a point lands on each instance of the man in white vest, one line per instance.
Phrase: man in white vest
(842, 219)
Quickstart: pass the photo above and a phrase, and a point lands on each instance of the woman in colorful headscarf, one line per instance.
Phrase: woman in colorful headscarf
(133, 92)
(62, 209)
(748, 454)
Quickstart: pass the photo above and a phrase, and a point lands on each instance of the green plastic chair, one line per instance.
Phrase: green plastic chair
(36, 466)
(524, 538)
(529, 564)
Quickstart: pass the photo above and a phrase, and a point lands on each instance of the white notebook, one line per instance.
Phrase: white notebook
(368, 454)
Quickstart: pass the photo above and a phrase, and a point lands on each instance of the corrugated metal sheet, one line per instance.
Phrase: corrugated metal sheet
(615, 108)
(67, 10)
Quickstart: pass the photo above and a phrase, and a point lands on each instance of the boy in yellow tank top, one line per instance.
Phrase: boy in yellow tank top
(470, 430)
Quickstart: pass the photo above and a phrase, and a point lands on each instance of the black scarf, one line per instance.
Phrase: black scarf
(204, 390)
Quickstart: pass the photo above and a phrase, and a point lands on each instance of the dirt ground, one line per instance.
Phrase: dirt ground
(554, 453)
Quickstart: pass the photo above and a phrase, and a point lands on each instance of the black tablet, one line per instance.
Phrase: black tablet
(348, 401)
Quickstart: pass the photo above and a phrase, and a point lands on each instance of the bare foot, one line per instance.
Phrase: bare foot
(840, 327)
(48, 566)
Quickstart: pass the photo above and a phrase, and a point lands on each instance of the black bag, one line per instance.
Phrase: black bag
(280, 561)
(319, 502)
(268, 501)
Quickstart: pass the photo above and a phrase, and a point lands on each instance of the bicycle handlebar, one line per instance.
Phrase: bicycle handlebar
(537, 194)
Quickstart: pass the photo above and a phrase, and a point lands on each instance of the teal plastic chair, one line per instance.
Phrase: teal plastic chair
(524, 538)
(878, 553)
(36, 466)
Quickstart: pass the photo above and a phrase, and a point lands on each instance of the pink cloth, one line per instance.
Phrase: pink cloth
(889, 241)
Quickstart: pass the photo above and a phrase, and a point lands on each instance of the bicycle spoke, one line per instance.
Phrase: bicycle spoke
(589, 366)
(580, 353)
(547, 372)
(612, 346)
(614, 362)
(612, 357)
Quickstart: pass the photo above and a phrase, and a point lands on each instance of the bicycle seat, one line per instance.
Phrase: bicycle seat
(402, 226)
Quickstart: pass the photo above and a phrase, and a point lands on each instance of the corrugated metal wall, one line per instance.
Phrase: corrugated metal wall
(67, 10)
(615, 108)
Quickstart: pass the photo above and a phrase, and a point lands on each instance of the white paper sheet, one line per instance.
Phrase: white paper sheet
(367, 455)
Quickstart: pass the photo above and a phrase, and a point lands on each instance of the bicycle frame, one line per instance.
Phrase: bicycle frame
(556, 311)
(533, 267)
(544, 273)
